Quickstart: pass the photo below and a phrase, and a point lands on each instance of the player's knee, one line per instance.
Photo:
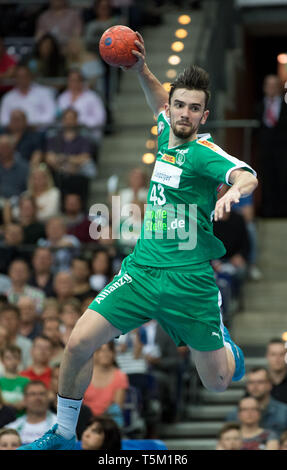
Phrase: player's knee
(77, 345)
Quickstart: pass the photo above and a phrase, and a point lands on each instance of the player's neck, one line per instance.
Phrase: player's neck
(175, 141)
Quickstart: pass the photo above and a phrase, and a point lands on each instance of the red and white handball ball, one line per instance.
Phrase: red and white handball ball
(116, 45)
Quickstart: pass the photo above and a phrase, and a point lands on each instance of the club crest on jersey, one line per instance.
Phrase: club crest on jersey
(160, 128)
(180, 156)
(168, 158)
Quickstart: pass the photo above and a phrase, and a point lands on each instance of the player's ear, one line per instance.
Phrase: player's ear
(204, 116)
(166, 109)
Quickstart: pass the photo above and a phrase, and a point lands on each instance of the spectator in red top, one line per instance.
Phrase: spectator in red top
(7, 67)
(41, 353)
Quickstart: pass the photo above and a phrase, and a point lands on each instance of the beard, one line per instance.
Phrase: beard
(184, 131)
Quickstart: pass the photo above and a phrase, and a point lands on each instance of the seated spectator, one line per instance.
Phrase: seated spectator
(101, 269)
(37, 101)
(77, 222)
(106, 392)
(38, 419)
(30, 325)
(283, 441)
(81, 272)
(88, 104)
(273, 413)
(9, 439)
(254, 437)
(33, 230)
(229, 437)
(64, 286)
(277, 367)
(51, 329)
(7, 67)
(47, 59)
(233, 266)
(3, 344)
(87, 61)
(136, 190)
(19, 273)
(60, 20)
(41, 275)
(41, 186)
(10, 320)
(12, 384)
(85, 415)
(70, 313)
(69, 154)
(28, 142)
(102, 17)
(41, 354)
(102, 434)
(11, 248)
(51, 309)
(7, 413)
(13, 170)
(63, 245)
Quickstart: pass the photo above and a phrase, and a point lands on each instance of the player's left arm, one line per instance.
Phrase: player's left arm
(242, 183)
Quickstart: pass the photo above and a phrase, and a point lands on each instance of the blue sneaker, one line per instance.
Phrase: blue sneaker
(51, 441)
(238, 356)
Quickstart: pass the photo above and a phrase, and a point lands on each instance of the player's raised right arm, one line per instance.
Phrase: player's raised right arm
(155, 94)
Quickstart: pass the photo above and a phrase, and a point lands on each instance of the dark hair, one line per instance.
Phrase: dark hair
(228, 427)
(11, 307)
(192, 78)
(112, 434)
(33, 383)
(276, 341)
(53, 65)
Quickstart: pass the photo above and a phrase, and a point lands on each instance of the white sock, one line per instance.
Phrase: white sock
(68, 411)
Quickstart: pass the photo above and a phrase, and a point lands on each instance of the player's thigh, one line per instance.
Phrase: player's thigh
(213, 368)
(91, 331)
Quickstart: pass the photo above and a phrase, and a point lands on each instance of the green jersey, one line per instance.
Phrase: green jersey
(178, 224)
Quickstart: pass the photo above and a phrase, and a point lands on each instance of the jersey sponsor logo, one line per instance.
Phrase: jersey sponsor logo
(208, 144)
(168, 158)
(125, 279)
(180, 156)
(166, 174)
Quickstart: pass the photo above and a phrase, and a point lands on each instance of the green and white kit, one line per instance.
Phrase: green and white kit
(168, 276)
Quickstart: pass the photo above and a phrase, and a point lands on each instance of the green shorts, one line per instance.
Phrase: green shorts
(184, 301)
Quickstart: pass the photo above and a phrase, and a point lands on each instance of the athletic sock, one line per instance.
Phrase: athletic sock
(68, 411)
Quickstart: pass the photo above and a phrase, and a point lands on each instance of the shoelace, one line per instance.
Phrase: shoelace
(45, 439)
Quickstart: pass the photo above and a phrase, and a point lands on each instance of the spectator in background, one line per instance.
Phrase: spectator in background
(60, 20)
(273, 412)
(10, 320)
(276, 355)
(136, 189)
(69, 154)
(42, 276)
(47, 59)
(81, 272)
(107, 390)
(70, 313)
(85, 415)
(64, 286)
(30, 325)
(272, 141)
(254, 437)
(12, 384)
(13, 170)
(37, 419)
(63, 245)
(19, 273)
(11, 247)
(103, 434)
(35, 100)
(9, 439)
(51, 329)
(229, 437)
(88, 62)
(3, 344)
(7, 67)
(7, 413)
(41, 354)
(88, 104)
(51, 309)
(283, 441)
(104, 17)
(28, 142)
(77, 222)
(101, 265)
(41, 186)
(33, 230)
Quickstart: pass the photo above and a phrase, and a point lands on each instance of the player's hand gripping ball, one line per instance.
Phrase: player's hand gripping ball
(116, 45)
